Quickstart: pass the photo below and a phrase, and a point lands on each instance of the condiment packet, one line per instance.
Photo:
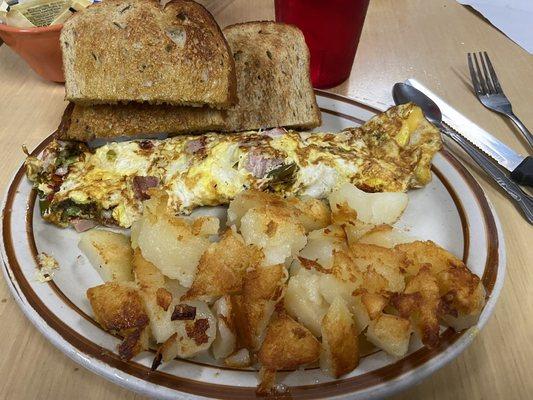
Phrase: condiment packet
(32, 13)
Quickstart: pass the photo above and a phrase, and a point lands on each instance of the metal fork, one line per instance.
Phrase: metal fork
(490, 93)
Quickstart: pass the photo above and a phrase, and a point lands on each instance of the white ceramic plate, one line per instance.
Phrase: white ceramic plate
(452, 211)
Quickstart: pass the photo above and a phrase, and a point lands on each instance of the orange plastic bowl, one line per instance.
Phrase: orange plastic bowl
(39, 47)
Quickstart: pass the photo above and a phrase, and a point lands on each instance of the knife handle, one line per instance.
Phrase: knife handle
(513, 191)
(523, 174)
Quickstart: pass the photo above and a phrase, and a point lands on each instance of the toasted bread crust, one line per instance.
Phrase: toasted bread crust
(261, 104)
(86, 123)
(273, 77)
(173, 54)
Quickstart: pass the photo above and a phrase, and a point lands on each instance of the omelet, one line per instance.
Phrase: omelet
(107, 185)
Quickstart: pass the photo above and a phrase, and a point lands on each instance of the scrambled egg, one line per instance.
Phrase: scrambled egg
(391, 152)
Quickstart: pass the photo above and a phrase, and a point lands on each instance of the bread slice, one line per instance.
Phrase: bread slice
(140, 51)
(103, 121)
(273, 79)
(274, 89)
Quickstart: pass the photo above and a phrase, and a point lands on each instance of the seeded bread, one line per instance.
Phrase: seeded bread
(273, 79)
(139, 51)
(103, 121)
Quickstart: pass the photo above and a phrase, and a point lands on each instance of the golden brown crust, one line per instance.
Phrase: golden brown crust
(340, 342)
(86, 123)
(174, 54)
(288, 345)
(273, 79)
(118, 308)
(222, 267)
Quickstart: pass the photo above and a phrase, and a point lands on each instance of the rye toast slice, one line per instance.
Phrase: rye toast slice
(135, 120)
(139, 51)
(273, 79)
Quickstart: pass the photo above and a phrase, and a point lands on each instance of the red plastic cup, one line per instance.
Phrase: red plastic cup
(332, 30)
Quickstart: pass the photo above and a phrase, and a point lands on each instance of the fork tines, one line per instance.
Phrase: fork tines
(484, 79)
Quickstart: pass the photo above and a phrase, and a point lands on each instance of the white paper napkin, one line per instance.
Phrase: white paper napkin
(512, 17)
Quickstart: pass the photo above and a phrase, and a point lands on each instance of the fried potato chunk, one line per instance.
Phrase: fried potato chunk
(390, 333)
(195, 331)
(303, 300)
(462, 292)
(239, 359)
(275, 230)
(340, 343)
(222, 267)
(118, 308)
(385, 236)
(322, 243)
(151, 281)
(109, 253)
(249, 199)
(370, 208)
(168, 241)
(420, 253)
(287, 345)
(463, 297)
(420, 302)
(263, 288)
(381, 267)
(310, 212)
(226, 338)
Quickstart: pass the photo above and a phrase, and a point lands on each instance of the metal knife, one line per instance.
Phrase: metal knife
(520, 167)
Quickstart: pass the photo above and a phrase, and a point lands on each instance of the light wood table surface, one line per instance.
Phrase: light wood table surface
(427, 40)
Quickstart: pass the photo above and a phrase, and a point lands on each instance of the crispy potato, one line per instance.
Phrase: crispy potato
(192, 334)
(239, 359)
(249, 199)
(275, 231)
(390, 333)
(346, 218)
(303, 300)
(168, 241)
(370, 208)
(381, 267)
(322, 243)
(312, 213)
(263, 287)
(340, 350)
(205, 226)
(360, 314)
(331, 286)
(462, 293)
(420, 302)
(150, 280)
(419, 253)
(118, 308)
(346, 269)
(463, 297)
(226, 338)
(222, 267)
(109, 253)
(267, 378)
(366, 306)
(385, 236)
(288, 345)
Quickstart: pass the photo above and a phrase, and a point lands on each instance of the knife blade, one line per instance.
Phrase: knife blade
(498, 151)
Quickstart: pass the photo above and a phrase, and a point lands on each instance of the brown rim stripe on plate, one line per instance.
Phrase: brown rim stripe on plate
(343, 386)
(338, 114)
